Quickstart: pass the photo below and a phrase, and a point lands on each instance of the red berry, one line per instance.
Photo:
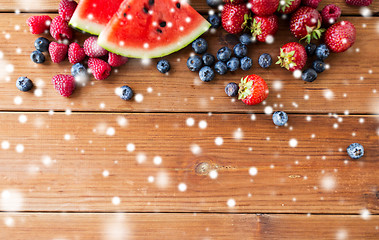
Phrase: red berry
(311, 3)
(92, 49)
(264, 7)
(330, 13)
(38, 24)
(264, 26)
(59, 29)
(359, 2)
(305, 24)
(116, 60)
(252, 90)
(67, 9)
(75, 53)
(292, 56)
(340, 36)
(100, 69)
(58, 51)
(64, 84)
(233, 17)
(288, 6)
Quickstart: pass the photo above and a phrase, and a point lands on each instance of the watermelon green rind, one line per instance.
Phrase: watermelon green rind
(160, 52)
(86, 25)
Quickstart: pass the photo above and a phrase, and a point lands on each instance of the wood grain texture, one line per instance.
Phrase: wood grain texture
(199, 5)
(352, 79)
(117, 226)
(61, 163)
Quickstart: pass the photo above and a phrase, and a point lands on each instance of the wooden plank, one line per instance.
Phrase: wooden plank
(119, 226)
(199, 5)
(88, 162)
(182, 91)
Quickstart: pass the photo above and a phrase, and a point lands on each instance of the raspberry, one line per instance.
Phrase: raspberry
(92, 49)
(311, 3)
(116, 60)
(330, 14)
(100, 69)
(75, 53)
(58, 51)
(67, 9)
(38, 24)
(59, 29)
(359, 2)
(64, 84)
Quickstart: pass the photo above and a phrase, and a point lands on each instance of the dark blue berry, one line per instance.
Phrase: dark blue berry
(322, 52)
(355, 150)
(221, 68)
(240, 50)
(208, 59)
(232, 89)
(311, 48)
(309, 75)
(37, 57)
(200, 45)
(233, 64)
(194, 63)
(163, 66)
(318, 66)
(246, 63)
(224, 54)
(42, 44)
(265, 60)
(24, 84)
(246, 39)
(214, 3)
(279, 118)
(214, 20)
(126, 93)
(206, 74)
(78, 70)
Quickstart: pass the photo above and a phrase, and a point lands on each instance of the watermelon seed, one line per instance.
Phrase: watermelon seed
(151, 2)
(158, 30)
(178, 5)
(124, 14)
(162, 24)
(145, 10)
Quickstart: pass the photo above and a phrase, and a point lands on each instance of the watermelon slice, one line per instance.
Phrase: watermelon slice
(150, 29)
(93, 15)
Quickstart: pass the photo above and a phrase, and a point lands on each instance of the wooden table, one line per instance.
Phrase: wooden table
(187, 161)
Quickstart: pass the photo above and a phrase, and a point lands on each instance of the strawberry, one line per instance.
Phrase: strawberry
(64, 84)
(305, 24)
(264, 26)
(361, 3)
(75, 53)
(311, 3)
(67, 9)
(92, 49)
(59, 29)
(252, 90)
(234, 1)
(330, 14)
(116, 60)
(292, 56)
(264, 7)
(233, 17)
(38, 24)
(58, 51)
(100, 69)
(288, 6)
(340, 36)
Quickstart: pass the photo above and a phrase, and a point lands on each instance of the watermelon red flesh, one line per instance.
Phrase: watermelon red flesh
(143, 30)
(93, 15)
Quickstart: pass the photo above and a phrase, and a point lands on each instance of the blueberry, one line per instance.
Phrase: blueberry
(221, 68)
(232, 89)
(78, 69)
(311, 48)
(208, 59)
(246, 63)
(224, 54)
(214, 20)
(265, 60)
(240, 50)
(279, 118)
(214, 3)
(200, 45)
(233, 64)
(318, 66)
(194, 63)
(163, 66)
(42, 44)
(37, 57)
(309, 75)
(322, 52)
(246, 39)
(24, 84)
(206, 74)
(355, 150)
(126, 93)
